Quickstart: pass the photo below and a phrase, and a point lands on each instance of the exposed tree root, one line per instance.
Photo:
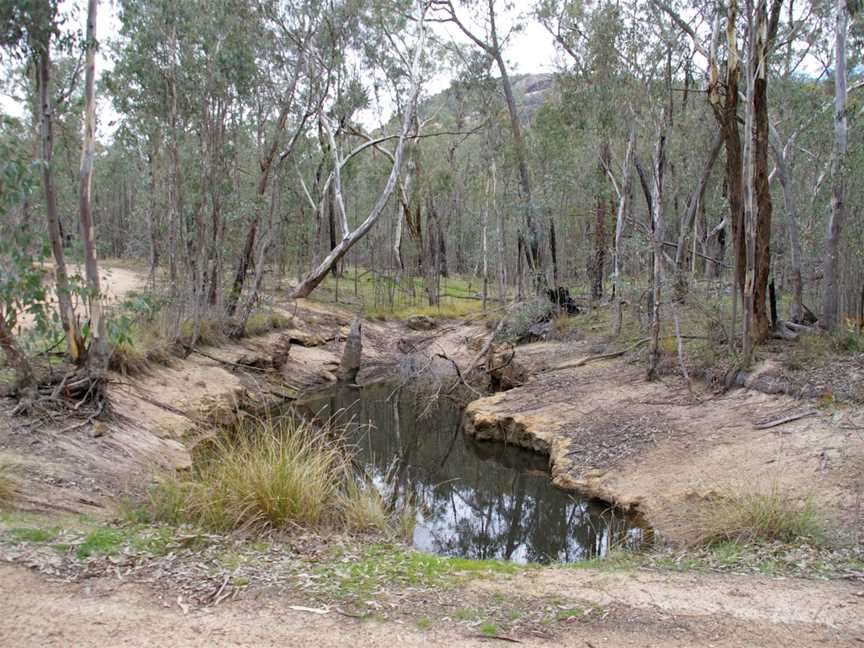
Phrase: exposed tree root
(77, 392)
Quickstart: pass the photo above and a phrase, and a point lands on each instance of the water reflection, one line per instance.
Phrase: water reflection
(477, 500)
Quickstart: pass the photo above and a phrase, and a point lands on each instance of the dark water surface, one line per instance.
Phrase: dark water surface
(476, 499)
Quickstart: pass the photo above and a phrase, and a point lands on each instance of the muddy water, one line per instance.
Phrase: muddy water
(476, 499)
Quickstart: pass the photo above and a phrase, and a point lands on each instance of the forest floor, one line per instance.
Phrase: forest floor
(655, 447)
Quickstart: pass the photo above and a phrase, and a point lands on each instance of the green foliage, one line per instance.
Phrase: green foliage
(22, 249)
(488, 628)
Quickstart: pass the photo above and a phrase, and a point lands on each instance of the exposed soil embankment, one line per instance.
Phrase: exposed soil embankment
(156, 417)
(653, 448)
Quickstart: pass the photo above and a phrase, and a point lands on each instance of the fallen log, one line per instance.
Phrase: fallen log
(603, 356)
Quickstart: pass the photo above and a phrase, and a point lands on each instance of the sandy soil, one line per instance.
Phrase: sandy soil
(653, 448)
(645, 610)
(116, 283)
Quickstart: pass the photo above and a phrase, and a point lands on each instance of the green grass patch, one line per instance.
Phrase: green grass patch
(568, 614)
(32, 534)
(465, 614)
(101, 542)
(424, 624)
(359, 576)
(488, 628)
(262, 323)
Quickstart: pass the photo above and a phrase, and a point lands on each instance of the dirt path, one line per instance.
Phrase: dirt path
(641, 610)
(117, 282)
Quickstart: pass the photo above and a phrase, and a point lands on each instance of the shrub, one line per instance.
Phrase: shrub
(275, 474)
(520, 319)
(758, 517)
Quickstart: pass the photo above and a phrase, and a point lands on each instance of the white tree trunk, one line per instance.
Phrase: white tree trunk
(311, 281)
(98, 353)
(830, 289)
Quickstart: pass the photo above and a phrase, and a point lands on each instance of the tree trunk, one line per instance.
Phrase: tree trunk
(266, 164)
(696, 199)
(97, 356)
(761, 186)
(74, 342)
(658, 233)
(532, 246)
(623, 210)
(553, 250)
(782, 160)
(150, 217)
(599, 258)
(830, 290)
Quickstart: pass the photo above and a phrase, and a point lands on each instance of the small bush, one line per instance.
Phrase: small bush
(275, 474)
(520, 319)
(755, 517)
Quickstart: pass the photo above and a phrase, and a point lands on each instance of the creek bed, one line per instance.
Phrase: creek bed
(475, 499)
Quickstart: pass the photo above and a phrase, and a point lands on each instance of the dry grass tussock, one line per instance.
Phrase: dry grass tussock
(744, 515)
(278, 474)
(7, 480)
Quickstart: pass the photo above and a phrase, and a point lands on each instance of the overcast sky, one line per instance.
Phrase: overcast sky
(529, 51)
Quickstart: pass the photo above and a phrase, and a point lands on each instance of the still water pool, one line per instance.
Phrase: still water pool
(475, 499)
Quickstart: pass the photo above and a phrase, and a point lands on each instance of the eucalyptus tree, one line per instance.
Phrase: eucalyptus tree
(491, 41)
(830, 290)
(97, 355)
(415, 74)
(28, 32)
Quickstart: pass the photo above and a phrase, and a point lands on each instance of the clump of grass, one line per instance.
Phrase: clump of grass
(264, 322)
(32, 534)
(211, 332)
(488, 628)
(759, 517)
(7, 480)
(276, 474)
(128, 360)
(101, 542)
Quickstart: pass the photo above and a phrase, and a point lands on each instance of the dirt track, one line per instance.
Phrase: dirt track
(662, 611)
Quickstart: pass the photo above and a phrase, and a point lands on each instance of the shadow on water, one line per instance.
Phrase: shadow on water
(475, 499)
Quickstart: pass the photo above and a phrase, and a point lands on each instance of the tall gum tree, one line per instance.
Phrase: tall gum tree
(492, 45)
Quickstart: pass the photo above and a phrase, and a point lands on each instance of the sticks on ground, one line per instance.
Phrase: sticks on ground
(603, 356)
